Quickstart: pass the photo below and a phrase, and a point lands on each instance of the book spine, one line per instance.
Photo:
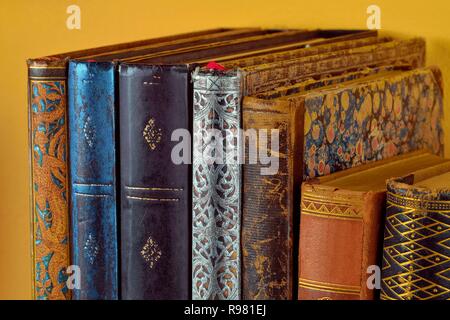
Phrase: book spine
(339, 233)
(92, 149)
(269, 201)
(416, 255)
(47, 82)
(216, 196)
(155, 184)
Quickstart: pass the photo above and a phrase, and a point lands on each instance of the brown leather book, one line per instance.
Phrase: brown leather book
(340, 224)
(322, 131)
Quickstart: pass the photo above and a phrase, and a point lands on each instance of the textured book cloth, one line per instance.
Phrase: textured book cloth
(320, 132)
(416, 251)
(216, 211)
(341, 218)
(47, 82)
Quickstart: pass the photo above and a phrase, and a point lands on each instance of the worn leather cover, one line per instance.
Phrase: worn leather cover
(155, 192)
(416, 255)
(92, 117)
(265, 234)
(313, 49)
(263, 77)
(269, 194)
(325, 42)
(323, 132)
(47, 96)
(339, 240)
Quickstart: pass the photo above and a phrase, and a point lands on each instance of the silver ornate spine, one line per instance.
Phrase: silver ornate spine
(216, 194)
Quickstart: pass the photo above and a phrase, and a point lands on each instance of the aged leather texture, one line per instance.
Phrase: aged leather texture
(269, 204)
(263, 232)
(155, 192)
(216, 187)
(313, 50)
(416, 254)
(322, 132)
(92, 117)
(49, 196)
(339, 240)
(263, 77)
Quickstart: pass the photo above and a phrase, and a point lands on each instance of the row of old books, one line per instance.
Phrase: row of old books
(123, 208)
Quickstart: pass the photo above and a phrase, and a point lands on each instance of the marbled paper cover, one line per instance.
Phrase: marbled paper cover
(371, 120)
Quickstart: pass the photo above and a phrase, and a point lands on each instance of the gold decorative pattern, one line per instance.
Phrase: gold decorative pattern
(154, 199)
(419, 204)
(153, 188)
(151, 252)
(330, 287)
(416, 253)
(152, 134)
(321, 206)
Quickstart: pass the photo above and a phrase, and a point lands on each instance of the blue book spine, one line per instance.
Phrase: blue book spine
(92, 147)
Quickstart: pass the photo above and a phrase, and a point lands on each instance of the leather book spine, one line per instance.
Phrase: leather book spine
(155, 100)
(47, 96)
(216, 203)
(416, 251)
(93, 149)
(339, 240)
(269, 202)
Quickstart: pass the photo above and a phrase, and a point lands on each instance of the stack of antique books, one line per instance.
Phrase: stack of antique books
(240, 164)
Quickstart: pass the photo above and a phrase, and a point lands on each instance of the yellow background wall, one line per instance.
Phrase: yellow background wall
(32, 28)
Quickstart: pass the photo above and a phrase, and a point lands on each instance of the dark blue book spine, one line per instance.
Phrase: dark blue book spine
(92, 147)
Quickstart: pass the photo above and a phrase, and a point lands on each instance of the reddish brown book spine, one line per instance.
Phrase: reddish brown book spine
(339, 237)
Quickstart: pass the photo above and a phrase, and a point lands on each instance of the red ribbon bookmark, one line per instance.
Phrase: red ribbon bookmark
(215, 66)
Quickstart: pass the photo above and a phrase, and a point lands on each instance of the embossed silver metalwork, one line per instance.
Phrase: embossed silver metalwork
(216, 188)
